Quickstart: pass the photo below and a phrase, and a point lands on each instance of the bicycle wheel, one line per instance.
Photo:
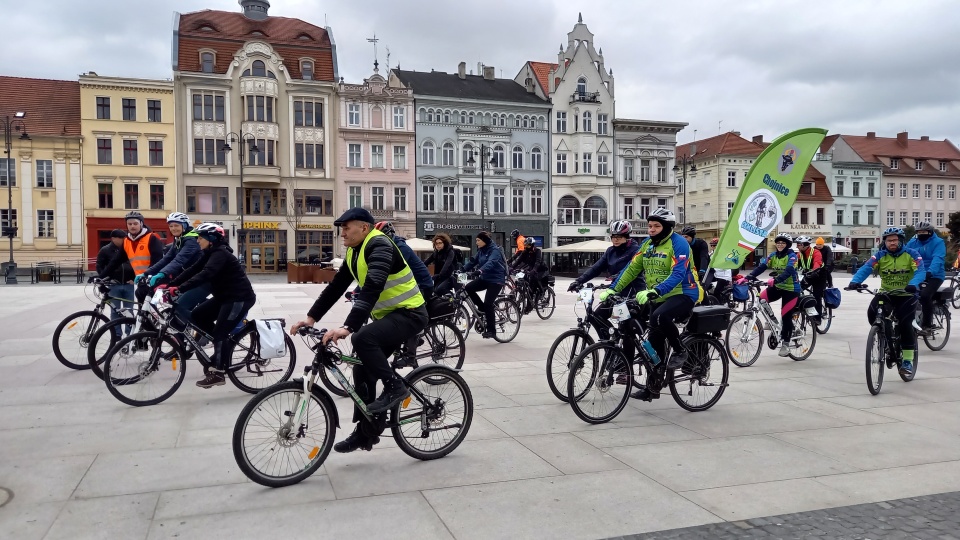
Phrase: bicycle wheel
(546, 304)
(442, 344)
(104, 339)
(506, 319)
(565, 349)
(941, 329)
(955, 299)
(271, 452)
(462, 320)
(72, 336)
(432, 426)
(700, 383)
(598, 394)
(825, 321)
(148, 375)
(744, 339)
(876, 349)
(807, 340)
(256, 373)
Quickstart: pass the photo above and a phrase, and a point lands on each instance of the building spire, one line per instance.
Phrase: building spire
(376, 63)
(580, 18)
(255, 9)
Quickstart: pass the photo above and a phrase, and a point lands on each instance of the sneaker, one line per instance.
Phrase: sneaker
(784, 350)
(677, 360)
(356, 441)
(645, 394)
(214, 378)
(906, 368)
(394, 391)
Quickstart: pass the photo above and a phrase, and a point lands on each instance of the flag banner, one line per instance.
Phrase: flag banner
(767, 192)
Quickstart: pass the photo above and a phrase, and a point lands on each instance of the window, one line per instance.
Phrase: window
(104, 195)
(497, 159)
(44, 223)
(153, 110)
(840, 188)
(376, 198)
(308, 113)
(603, 168)
(894, 163)
(903, 190)
(820, 220)
(129, 109)
(208, 107)
(939, 219)
(353, 114)
(952, 193)
(260, 108)
(561, 163)
(156, 196)
(468, 199)
(399, 199)
(561, 121)
(856, 188)
(44, 173)
(429, 199)
(870, 217)
(731, 178)
(499, 200)
(207, 60)
(103, 108)
(891, 189)
(662, 171)
(805, 216)
(806, 188)
(627, 207)
(891, 216)
(517, 200)
(628, 170)
(729, 209)
(839, 216)
(595, 211)
(916, 191)
(943, 166)
(131, 196)
(903, 219)
(399, 157)
(8, 165)
(427, 153)
(787, 218)
(399, 120)
(314, 246)
(940, 191)
(916, 217)
(260, 152)
(602, 123)
(644, 208)
(928, 216)
(918, 164)
(355, 197)
(130, 152)
(207, 200)
(308, 156)
(536, 201)
(259, 69)
(448, 198)
(680, 184)
(871, 189)
(517, 157)
(155, 151)
(928, 191)
(587, 122)
(353, 156)
(447, 154)
(536, 159)
(265, 202)
(644, 170)
(470, 118)
(306, 70)
(208, 152)
(682, 214)
(376, 156)
(581, 87)
(587, 163)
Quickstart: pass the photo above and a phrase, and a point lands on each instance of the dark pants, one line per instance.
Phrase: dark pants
(928, 291)
(125, 291)
(817, 288)
(372, 343)
(413, 338)
(218, 318)
(905, 311)
(663, 325)
(442, 287)
(787, 307)
(828, 276)
(722, 291)
(487, 307)
(186, 303)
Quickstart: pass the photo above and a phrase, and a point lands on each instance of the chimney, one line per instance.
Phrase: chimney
(255, 9)
(489, 73)
(902, 138)
(462, 70)
(758, 139)
(871, 134)
(924, 137)
(479, 68)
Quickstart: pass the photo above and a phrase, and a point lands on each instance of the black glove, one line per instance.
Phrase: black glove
(853, 287)
(912, 289)
(573, 286)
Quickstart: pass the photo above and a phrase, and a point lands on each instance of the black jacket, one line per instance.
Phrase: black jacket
(155, 246)
(122, 273)
(701, 254)
(444, 264)
(219, 267)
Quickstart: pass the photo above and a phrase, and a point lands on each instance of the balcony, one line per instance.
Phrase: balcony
(259, 86)
(384, 214)
(587, 97)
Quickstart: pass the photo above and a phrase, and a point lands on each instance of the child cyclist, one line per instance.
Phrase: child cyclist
(901, 273)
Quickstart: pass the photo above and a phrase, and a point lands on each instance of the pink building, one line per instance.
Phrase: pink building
(375, 146)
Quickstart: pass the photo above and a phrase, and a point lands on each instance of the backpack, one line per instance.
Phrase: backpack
(831, 297)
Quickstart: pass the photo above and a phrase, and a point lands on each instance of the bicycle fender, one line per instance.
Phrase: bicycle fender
(323, 396)
(431, 365)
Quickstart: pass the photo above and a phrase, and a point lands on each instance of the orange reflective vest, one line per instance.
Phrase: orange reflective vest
(520, 240)
(138, 252)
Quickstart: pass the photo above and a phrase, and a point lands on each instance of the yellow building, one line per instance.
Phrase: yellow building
(43, 118)
(129, 154)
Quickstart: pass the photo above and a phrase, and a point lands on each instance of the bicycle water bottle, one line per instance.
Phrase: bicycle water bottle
(651, 353)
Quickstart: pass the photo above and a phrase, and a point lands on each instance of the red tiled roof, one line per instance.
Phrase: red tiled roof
(872, 149)
(52, 107)
(821, 191)
(728, 143)
(827, 143)
(231, 30)
(542, 72)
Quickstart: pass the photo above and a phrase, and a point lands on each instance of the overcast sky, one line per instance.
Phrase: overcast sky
(754, 66)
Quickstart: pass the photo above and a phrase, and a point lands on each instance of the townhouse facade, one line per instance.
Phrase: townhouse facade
(645, 154)
(812, 211)
(857, 187)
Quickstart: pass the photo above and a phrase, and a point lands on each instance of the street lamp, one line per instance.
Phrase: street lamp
(472, 162)
(681, 166)
(252, 147)
(9, 126)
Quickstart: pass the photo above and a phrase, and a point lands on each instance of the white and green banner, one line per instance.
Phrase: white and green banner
(768, 191)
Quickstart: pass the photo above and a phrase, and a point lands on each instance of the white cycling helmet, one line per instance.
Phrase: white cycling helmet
(803, 240)
(211, 232)
(664, 216)
(621, 227)
(178, 217)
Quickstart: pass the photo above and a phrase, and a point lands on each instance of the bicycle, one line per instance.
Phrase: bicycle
(284, 434)
(825, 317)
(953, 277)
(883, 343)
(506, 313)
(745, 332)
(80, 327)
(132, 376)
(939, 333)
(603, 371)
(544, 303)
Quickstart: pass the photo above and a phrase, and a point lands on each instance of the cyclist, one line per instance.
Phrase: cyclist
(419, 269)
(141, 247)
(531, 262)
(389, 295)
(665, 260)
(491, 272)
(232, 294)
(520, 241)
(785, 286)
(613, 261)
(180, 255)
(901, 273)
(122, 274)
(826, 255)
(933, 250)
(444, 261)
(810, 263)
(701, 253)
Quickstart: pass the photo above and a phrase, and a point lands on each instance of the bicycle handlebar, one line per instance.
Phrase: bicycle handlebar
(311, 331)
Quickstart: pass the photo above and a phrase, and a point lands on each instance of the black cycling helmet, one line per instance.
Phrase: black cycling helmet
(134, 215)
(514, 233)
(688, 230)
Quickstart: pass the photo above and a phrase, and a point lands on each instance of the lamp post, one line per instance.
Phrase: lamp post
(234, 138)
(9, 126)
(472, 162)
(681, 167)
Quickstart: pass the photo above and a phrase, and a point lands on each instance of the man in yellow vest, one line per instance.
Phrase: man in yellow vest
(389, 295)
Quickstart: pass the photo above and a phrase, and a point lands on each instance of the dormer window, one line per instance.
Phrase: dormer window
(894, 163)
(207, 62)
(207, 28)
(306, 69)
(256, 33)
(259, 69)
(918, 165)
(304, 37)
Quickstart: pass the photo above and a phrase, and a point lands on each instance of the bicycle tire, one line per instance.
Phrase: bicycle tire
(436, 388)
(267, 371)
(876, 342)
(955, 300)
(250, 466)
(735, 354)
(606, 360)
(462, 320)
(444, 345)
(826, 320)
(83, 338)
(941, 318)
(506, 316)
(558, 377)
(807, 327)
(93, 358)
(700, 364)
(547, 305)
(120, 382)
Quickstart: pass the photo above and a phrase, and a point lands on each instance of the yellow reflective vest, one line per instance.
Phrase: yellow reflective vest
(399, 292)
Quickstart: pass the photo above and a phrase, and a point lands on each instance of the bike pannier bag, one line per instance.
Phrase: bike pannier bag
(741, 292)
(272, 344)
(551, 281)
(441, 307)
(831, 297)
(809, 306)
(708, 319)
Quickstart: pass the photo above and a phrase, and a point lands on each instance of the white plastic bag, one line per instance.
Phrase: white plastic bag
(272, 344)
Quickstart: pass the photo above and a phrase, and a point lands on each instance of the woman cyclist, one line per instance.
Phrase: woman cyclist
(492, 269)
(444, 261)
(180, 255)
(785, 286)
(664, 259)
(901, 273)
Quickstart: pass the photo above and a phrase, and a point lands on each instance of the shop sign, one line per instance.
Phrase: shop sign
(322, 226)
(864, 232)
(429, 226)
(804, 228)
(583, 230)
(275, 225)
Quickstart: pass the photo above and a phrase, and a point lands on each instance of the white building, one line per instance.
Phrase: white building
(645, 154)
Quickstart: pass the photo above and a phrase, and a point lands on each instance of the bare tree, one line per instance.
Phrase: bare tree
(295, 211)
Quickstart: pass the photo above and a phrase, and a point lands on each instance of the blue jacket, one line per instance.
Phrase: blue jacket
(420, 272)
(182, 254)
(933, 251)
(489, 260)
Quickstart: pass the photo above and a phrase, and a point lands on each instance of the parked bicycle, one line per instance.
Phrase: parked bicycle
(939, 333)
(73, 335)
(745, 334)
(468, 315)
(883, 343)
(284, 434)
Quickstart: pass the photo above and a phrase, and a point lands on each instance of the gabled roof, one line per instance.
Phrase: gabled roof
(542, 71)
(729, 143)
(52, 107)
(827, 143)
(871, 148)
(438, 83)
(821, 191)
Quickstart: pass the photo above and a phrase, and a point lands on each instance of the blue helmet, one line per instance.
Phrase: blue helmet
(894, 230)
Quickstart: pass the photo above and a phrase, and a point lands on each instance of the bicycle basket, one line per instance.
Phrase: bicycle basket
(708, 319)
(442, 307)
(831, 298)
(741, 292)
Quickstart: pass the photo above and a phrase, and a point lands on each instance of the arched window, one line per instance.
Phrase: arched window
(207, 61)
(306, 69)
(446, 116)
(498, 157)
(595, 210)
(259, 69)
(587, 121)
(516, 121)
(536, 159)
(429, 115)
(517, 157)
(463, 117)
(470, 118)
(428, 152)
(467, 154)
(447, 154)
(568, 210)
(582, 87)
(526, 121)
(423, 115)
